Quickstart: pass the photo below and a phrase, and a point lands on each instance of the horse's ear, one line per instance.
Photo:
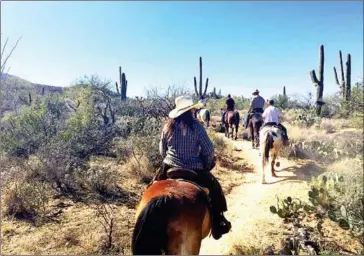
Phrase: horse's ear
(207, 191)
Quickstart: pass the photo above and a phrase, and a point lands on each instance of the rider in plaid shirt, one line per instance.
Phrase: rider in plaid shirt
(187, 147)
(185, 144)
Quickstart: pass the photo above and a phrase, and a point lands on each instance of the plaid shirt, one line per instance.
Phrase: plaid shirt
(187, 148)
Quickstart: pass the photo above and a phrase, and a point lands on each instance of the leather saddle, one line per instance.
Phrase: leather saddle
(180, 173)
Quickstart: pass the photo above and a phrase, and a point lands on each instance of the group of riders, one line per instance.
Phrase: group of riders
(185, 144)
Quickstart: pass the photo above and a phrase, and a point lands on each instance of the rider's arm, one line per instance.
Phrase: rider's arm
(207, 148)
(264, 115)
(163, 145)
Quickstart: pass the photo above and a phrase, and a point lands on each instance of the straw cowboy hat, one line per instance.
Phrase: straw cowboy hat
(183, 104)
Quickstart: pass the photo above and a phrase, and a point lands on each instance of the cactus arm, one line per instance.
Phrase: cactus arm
(117, 88)
(336, 78)
(206, 85)
(314, 78)
(195, 83)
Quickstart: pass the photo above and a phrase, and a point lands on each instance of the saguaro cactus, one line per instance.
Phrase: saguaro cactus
(199, 92)
(319, 82)
(123, 83)
(345, 85)
(284, 92)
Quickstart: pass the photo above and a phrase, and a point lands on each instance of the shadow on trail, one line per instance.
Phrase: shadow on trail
(301, 173)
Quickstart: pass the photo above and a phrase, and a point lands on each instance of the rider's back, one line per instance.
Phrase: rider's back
(230, 104)
(258, 102)
(185, 145)
(271, 115)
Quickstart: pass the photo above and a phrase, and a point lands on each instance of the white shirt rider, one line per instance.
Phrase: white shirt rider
(203, 101)
(271, 114)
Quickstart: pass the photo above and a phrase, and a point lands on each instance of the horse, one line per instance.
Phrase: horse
(255, 123)
(203, 115)
(271, 141)
(173, 217)
(232, 119)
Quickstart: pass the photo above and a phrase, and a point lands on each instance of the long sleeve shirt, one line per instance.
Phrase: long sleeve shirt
(187, 148)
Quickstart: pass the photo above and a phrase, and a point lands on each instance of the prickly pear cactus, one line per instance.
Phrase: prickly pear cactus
(287, 208)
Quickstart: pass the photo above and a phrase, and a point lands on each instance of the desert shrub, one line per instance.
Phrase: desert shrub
(306, 118)
(27, 200)
(343, 183)
(23, 134)
(102, 181)
(220, 145)
(357, 121)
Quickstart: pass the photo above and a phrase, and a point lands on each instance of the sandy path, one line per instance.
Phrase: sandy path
(248, 204)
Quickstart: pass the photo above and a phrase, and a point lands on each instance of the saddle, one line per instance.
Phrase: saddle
(272, 125)
(180, 173)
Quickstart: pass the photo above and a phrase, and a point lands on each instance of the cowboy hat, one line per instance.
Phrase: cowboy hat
(255, 92)
(183, 104)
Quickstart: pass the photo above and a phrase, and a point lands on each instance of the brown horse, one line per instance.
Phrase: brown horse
(231, 120)
(255, 123)
(172, 218)
(271, 141)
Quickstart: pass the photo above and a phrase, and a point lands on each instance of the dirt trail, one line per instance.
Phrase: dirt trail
(253, 226)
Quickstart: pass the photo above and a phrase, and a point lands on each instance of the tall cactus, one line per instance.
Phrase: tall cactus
(123, 83)
(319, 82)
(345, 85)
(284, 92)
(199, 92)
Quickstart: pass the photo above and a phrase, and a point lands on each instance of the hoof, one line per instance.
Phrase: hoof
(264, 182)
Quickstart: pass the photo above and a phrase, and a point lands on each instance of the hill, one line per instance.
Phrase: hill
(15, 92)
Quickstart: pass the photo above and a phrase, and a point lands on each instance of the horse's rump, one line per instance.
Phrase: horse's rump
(232, 117)
(271, 138)
(165, 202)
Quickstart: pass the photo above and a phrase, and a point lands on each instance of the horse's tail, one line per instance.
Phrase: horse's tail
(268, 145)
(208, 115)
(150, 232)
(237, 118)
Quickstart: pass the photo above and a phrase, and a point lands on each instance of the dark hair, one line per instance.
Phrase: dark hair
(271, 102)
(229, 95)
(186, 119)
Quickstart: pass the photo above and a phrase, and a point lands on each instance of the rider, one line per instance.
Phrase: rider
(256, 106)
(230, 105)
(185, 144)
(272, 116)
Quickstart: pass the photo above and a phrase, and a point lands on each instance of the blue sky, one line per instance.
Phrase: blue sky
(244, 45)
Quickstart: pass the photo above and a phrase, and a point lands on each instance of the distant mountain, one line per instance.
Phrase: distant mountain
(20, 83)
(15, 92)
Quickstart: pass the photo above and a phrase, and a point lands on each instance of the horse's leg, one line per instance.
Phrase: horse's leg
(232, 130)
(256, 134)
(274, 156)
(236, 129)
(263, 169)
(251, 128)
